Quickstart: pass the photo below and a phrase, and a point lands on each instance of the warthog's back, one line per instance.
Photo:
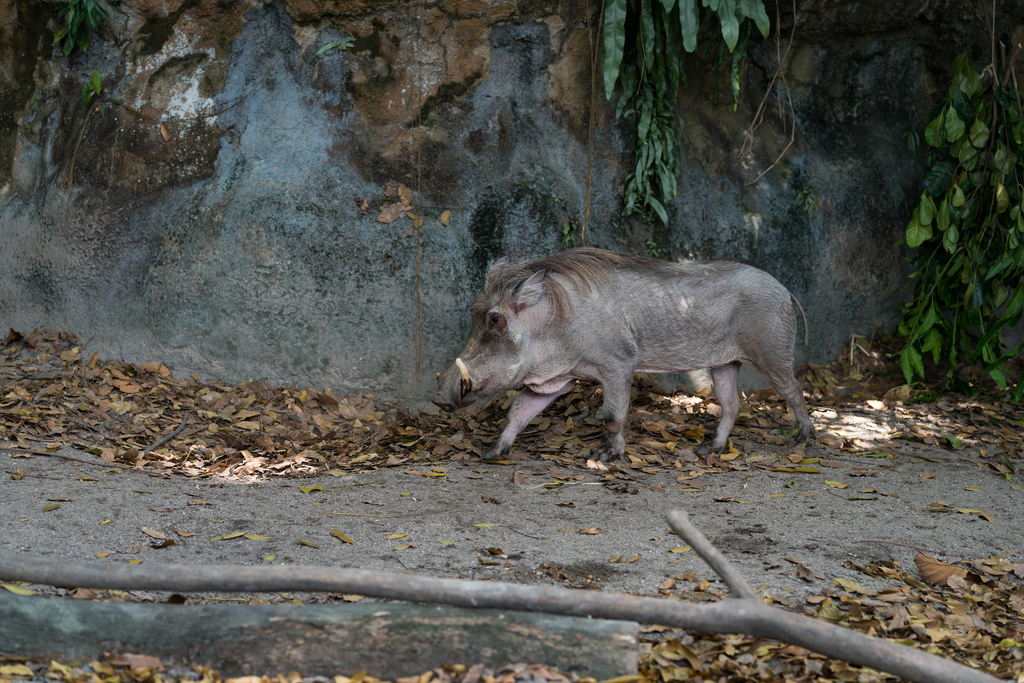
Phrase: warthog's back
(683, 316)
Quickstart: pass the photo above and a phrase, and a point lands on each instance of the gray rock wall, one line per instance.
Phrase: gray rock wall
(237, 246)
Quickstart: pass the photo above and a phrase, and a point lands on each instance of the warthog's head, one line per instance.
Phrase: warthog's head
(514, 304)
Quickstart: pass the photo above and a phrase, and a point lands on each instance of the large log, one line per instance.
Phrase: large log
(386, 641)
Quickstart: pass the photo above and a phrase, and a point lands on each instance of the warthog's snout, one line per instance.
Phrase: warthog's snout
(452, 386)
(446, 407)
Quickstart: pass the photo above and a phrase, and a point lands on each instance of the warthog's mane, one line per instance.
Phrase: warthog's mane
(585, 268)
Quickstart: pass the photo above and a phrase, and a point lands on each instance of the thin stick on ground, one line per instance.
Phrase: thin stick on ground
(53, 454)
(170, 436)
(743, 614)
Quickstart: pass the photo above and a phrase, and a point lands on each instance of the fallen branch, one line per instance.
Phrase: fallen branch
(54, 454)
(743, 614)
(170, 436)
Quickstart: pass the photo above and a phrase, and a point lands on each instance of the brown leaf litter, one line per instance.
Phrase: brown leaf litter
(141, 416)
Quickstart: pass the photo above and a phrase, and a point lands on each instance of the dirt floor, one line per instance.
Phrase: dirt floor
(354, 482)
(790, 533)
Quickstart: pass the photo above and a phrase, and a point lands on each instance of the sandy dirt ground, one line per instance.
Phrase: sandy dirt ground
(790, 533)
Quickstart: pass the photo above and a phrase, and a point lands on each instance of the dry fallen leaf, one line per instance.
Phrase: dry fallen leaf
(936, 572)
(134, 661)
(339, 535)
(391, 212)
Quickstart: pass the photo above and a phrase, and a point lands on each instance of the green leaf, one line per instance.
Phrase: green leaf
(938, 178)
(967, 155)
(644, 125)
(1000, 267)
(613, 42)
(959, 64)
(738, 58)
(689, 22)
(927, 211)
(917, 234)
(754, 9)
(730, 24)
(993, 331)
(1002, 198)
(999, 293)
(673, 58)
(950, 238)
(963, 107)
(1003, 160)
(976, 293)
(933, 343)
(958, 197)
(943, 215)
(926, 322)
(971, 81)
(91, 15)
(910, 362)
(658, 209)
(1016, 303)
(933, 132)
(979, 133)
(96, 82)
(954, 125)
(648, 37)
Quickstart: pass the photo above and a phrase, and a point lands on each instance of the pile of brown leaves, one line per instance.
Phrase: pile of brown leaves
(976, 618)
(139, 415)
(118, 668)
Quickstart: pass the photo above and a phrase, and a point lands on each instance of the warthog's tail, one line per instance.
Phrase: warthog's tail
(802, 315)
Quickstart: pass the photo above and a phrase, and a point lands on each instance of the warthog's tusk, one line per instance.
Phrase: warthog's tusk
(467, 385)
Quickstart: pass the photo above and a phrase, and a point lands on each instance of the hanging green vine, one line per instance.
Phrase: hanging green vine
(969, 225)
(665, 31)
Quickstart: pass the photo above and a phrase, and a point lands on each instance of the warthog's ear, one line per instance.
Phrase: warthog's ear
(530, 292)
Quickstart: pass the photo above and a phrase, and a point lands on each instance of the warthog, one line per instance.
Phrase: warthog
(597, 315)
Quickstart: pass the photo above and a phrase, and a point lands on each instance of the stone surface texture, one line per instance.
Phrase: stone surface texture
(207, 211)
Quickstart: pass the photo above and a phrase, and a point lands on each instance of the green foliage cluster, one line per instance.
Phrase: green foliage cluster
(807, 200)
(340, 46)
(969, 225)
(75, 32)
(94, 86)
(666, 31)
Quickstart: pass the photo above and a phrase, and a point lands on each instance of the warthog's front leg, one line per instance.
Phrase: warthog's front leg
(527, 406)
